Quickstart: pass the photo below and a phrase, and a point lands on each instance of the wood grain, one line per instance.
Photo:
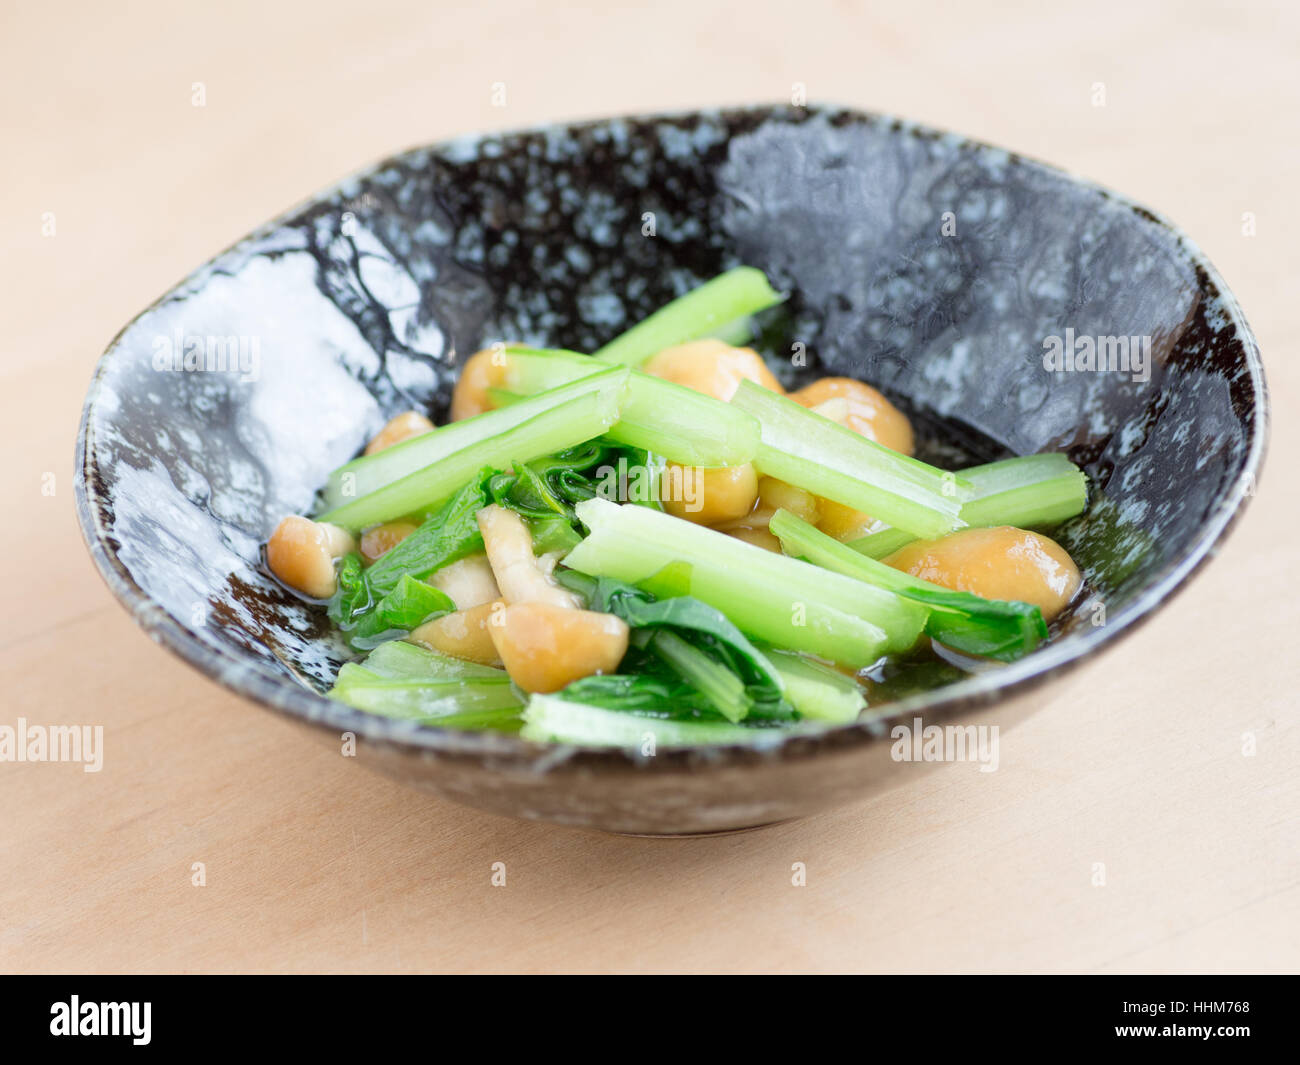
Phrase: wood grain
(314, 864)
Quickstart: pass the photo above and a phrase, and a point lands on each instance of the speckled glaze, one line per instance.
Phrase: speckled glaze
(921, 262)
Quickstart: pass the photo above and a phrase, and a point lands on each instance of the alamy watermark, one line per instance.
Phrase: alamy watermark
(671, 483)
(77, 1018)
(53, 743)
(919, 742)
(1098, 354)
(195, 353)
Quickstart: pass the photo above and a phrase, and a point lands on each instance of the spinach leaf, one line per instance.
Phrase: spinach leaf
(663, 697)
(448, 534)
(701, 624)
(990, 628)
(407, 606)
(685, 644)
(549, 487)
(353, 595)
(390, 598)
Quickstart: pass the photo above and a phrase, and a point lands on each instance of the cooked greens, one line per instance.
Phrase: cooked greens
(712, 306)
(803, 448)
(1030, 491)
(635, 617)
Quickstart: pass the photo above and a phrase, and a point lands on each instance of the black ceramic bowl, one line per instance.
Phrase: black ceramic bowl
(928, 265)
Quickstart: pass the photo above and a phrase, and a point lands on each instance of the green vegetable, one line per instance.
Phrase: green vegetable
(353, 596)
(1027, 491)
(739, 292)
(723, 689)
(806, 449)
(456, 703)
(549, 486)
(400, 680)
(683, 425)
(968, 623)
(781, 600)
(399, 660)
(692, 639)
(554, 534)
(450, 533)
(737, 333)
(551, 718)
(407, 606)
(427, 469)
(391, 597)
(544, 491)
(641, 610)
(665, 696)
(817, 691)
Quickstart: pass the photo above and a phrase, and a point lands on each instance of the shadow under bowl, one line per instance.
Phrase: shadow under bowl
(936, 268)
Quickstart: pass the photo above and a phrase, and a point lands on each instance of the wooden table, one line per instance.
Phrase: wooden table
(314, 864)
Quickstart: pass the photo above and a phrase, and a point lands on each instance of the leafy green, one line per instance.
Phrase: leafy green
(390, 598)
(552, 534)
(655, 695)
(718, 683)
(549, 486)
(353, 596)
(399, 660)
(449, 533)
(406, 607)
(452, 703)
(400, 680)
(663, 694)
(557, 718)
(781, 600)
(991, 628)
(692, 641)
(738, 292)
(702, 624)
(545, 491)
(427, 469)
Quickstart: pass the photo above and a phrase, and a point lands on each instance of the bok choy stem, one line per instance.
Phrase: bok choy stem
(682, 425)
(735, 294)
(1027, 491)
(987, 627)
(550, 718)
(806, 449)
(786, 602)
(429, 469)
(724, 690)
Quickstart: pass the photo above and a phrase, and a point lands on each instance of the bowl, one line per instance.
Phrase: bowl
(951, 274)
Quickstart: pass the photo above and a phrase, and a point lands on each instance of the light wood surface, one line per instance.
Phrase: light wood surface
(315, 864)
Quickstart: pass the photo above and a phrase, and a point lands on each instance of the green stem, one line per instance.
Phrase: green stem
(430, 468)
(734, 294)
(682, 425)
(1029, 491)
(787, 602)
(480, 700)
(987, 627)
(550, 719)
(818, 691)
(724, 690)
(806, 449)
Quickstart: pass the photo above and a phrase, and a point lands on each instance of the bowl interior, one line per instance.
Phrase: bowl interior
(933, 267)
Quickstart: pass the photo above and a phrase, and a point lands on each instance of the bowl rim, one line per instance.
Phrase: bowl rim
(250, 679)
